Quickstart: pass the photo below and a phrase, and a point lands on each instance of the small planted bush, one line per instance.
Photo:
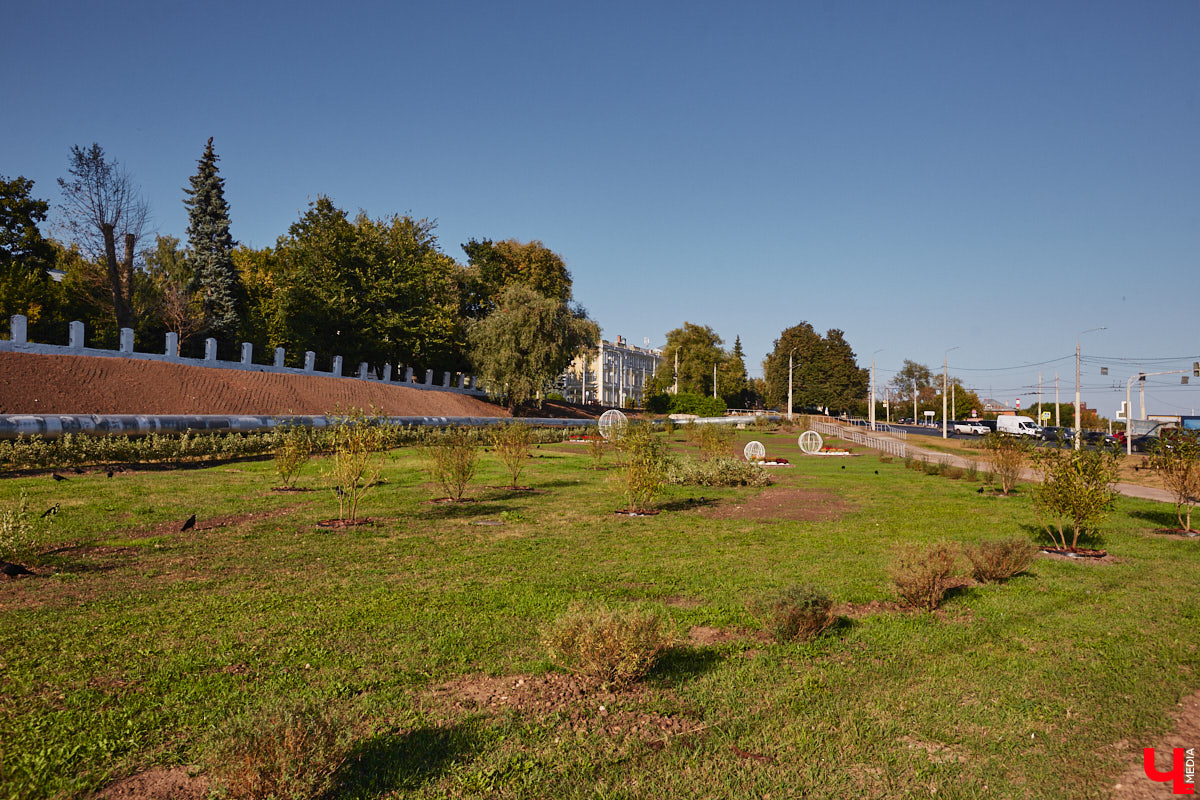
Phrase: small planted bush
(358, 443)
(923, 575)
(597, 447)
(716, 472)
(511, 441)
(293, 452)
(1000, 559)
(289, 752)
(643, 465)
(798, 613)
(714, 441)
(1006, 455)
(616, 647)
(452, 459)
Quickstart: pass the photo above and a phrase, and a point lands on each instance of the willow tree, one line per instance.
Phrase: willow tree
(527, 342)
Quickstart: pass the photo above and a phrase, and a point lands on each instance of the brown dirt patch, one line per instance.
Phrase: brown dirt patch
(704, 636)
(31, 383)
(1133, 783)
(781, 503)
(1105, 559)
(584, 706)
(157, 784)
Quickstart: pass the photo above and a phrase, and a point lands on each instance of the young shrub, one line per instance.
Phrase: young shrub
(999, 559)
(643, 465)
(972, 473)
(1007, 455)
(952, 472)
(616, 647)
(597, 447)
(799, 612)
(289, 752)
(717, 472)
(357, 442)
(714, 441)
(1077, 489)
(452, 459)
(932, 467)
(293, 452)
(23, 533)
(923, 575)
(1177, 464)
(511, 441)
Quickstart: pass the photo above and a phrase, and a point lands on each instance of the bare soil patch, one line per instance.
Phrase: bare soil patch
(782, 503)
(704, 636)
(1133, 783)
(157, 784)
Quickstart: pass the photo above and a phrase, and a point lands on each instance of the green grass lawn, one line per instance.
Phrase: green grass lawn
(141, 645)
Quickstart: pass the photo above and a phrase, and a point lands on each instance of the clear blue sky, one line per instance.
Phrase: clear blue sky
(996, 177)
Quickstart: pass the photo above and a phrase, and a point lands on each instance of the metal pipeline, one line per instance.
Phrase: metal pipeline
(50, 426)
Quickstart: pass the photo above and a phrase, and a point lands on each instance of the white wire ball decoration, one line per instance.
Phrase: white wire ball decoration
(754, 452)
(612, 422)
(810, 442)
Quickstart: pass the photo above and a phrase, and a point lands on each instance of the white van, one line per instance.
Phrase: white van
(1017, 425)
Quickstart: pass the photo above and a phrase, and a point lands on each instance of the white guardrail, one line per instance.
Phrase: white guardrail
(893, 447)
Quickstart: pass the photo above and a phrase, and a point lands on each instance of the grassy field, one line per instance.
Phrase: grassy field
(142, 646)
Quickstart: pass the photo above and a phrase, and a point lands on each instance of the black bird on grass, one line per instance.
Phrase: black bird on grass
(13, 570)
(191, 523)
(110, 473)
(58, 477)
(51, 510)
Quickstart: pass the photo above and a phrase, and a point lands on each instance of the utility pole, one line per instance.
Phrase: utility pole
(1057, 422)
(1078, 430)
(945, 360)
(1039, 419)
(676, 369)
(873, 387)
(914, 402)
(790, 383)
(714, 380)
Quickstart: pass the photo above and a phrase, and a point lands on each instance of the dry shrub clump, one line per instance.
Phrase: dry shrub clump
(615, 646)
(290, 752)
(923, 575)
(799, 612)
(999, 559)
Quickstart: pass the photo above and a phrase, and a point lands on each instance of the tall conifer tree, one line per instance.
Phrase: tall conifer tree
(210, 248)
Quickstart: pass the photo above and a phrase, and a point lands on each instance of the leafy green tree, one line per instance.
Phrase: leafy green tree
(732, 380)
(698, 348)
(101, 207)
(210, 248)
(368, 290)
(913, 374)
(824, 370)
(25, 256)
(179, 308)
(493, 266)
(526, 343)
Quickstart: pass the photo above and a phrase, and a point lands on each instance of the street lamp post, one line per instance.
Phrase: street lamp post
(880, 350)
(945, 361)
(1078, 431)
(790, 383)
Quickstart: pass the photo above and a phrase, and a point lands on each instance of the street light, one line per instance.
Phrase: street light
(1078, 431)
(880, 350)
(790, 384)
(945, 360)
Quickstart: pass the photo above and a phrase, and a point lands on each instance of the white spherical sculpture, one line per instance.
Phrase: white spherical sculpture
(754, 452)
(612, 422)
(810, 442)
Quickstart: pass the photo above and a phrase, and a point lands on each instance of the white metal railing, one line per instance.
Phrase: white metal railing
(892, 447)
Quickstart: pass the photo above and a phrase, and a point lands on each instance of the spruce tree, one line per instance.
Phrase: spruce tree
(210, 248)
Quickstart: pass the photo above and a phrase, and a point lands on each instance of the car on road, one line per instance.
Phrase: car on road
(975, 428)
(1100, 439)
(1051, 433)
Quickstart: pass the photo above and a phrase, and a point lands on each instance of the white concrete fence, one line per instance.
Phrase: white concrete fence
(893, 447)
(19, 343)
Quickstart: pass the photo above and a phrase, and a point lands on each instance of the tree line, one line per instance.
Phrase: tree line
(370, 290)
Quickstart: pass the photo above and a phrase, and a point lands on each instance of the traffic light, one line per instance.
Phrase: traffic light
(1196, 369)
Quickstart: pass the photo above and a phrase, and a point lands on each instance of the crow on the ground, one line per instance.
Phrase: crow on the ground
(51, 510)
(58, 477)
(13, 570)
(110, 473)
(191, 523)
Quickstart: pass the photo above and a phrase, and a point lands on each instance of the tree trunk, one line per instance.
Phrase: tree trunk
(121, 305)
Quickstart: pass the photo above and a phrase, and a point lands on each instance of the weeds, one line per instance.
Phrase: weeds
(999, 560)
(290, 752)
(800, 612)
(923, 575)
(617, 647)
(22, 534)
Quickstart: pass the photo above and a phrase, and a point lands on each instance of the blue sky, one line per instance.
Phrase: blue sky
(995, 177)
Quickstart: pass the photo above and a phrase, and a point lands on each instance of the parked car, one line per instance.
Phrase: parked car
(1099, 439)
(1052, 433)
(975, 428)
